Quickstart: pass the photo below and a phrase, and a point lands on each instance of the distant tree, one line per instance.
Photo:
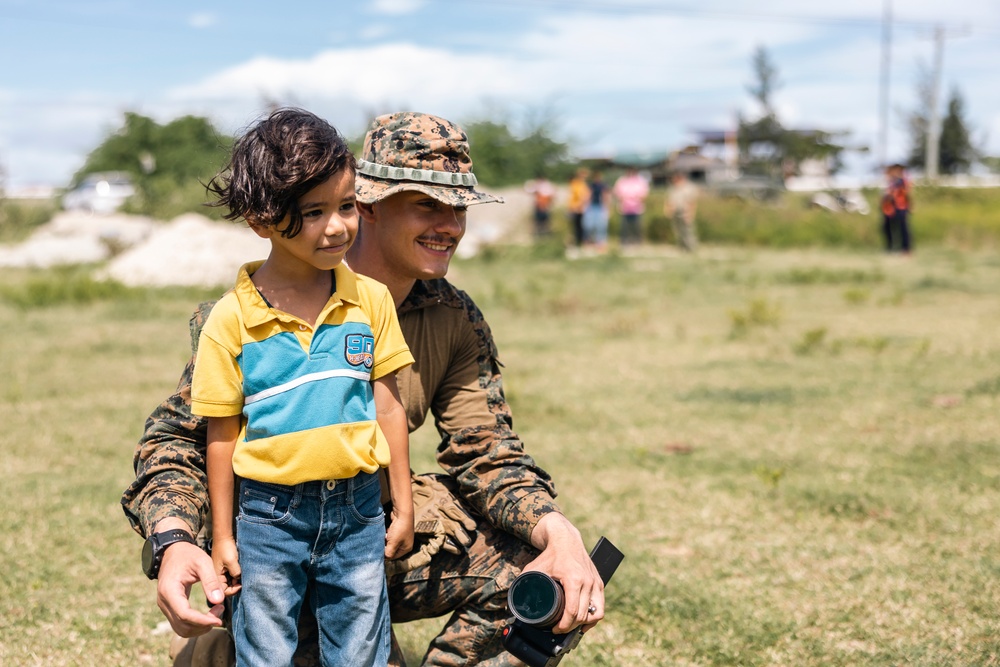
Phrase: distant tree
(504, 155)
(991, 162)
(956, 151)
(169, 163)
(495, 160)
(766, 147)
(542, 151)
(766, 80)
(918, 120)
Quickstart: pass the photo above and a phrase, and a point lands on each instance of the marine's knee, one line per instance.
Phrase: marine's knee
(212, 649)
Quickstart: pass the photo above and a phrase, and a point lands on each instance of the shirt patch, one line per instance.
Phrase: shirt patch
(358, 349)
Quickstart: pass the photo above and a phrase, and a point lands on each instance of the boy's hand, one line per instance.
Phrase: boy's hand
(227, 564)
(399, 535)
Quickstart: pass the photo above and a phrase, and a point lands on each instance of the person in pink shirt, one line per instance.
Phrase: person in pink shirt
(630, 191)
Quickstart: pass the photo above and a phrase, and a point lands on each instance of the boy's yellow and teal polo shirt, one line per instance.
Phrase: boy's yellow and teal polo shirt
(306, 395)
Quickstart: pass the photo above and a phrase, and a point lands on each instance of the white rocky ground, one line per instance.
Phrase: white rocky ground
(193, 250)
(74, 238)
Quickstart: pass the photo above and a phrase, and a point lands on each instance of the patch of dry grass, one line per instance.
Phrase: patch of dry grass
(782, 497)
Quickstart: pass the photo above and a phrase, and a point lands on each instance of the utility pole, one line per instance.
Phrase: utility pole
(883, 133)
(932, 148)
(934, 113)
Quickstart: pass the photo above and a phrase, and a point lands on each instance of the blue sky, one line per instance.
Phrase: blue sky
(618, 75)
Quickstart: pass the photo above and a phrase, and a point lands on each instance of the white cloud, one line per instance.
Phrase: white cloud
(396, 7)
(203, 20)
(368, 76)
(374, 31)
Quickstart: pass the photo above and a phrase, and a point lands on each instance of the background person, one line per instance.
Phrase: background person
(630, 192)
(680, 206)
(579, 197)
(895, 206)
(595, 216)
(491, 514)
(543, 195)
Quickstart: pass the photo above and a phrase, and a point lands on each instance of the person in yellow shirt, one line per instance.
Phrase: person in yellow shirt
(579, 195)
(296, 375)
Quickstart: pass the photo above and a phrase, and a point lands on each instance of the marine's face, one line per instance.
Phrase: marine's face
(416, 234)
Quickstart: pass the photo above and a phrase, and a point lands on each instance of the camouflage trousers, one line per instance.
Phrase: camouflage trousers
(684, 231)
(471, 588)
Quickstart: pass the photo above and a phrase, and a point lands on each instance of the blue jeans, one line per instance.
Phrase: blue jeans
(595, 224)
(631, 231)
(330, 535)
(896, 227)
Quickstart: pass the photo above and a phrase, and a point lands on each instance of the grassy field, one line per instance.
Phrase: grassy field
(796, 450)
(959, 218)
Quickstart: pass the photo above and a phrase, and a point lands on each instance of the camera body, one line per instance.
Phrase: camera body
(536, 601)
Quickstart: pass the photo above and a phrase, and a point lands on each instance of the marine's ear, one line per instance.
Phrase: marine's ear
(366, 211)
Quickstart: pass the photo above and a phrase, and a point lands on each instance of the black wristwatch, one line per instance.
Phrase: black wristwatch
(156, 544)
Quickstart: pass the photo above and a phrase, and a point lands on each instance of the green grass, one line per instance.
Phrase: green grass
(821, 489)
(20, 217)
(968, 219)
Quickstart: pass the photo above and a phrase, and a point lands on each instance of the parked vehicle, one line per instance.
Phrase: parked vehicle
(101, 192)
(841, 201)
(758, 188)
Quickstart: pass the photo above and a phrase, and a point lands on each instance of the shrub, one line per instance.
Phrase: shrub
(64, 286)
(18, 218)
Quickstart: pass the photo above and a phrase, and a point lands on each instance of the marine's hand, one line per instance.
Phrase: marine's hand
(184, 565)
(435, 507)
(565, 558)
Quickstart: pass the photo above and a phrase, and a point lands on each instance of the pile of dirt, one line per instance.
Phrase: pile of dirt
(77, 238)
(194, 250)
(189, 250)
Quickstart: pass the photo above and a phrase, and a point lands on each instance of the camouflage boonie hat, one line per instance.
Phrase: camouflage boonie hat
(415, 151)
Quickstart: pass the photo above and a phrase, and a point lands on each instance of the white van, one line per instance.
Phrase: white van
(102, 192)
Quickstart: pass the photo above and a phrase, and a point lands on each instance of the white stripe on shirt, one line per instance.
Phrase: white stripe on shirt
(299, 381)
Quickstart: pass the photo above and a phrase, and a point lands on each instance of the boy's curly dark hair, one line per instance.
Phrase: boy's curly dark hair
(277, 162)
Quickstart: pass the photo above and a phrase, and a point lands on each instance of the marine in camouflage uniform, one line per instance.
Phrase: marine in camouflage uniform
(493, 494)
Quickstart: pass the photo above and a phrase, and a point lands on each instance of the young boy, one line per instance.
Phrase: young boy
(295, 372)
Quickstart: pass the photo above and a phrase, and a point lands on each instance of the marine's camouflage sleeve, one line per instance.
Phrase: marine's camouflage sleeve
(169, 460)
(479, 447)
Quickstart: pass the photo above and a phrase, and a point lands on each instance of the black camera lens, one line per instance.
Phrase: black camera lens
(536, 599)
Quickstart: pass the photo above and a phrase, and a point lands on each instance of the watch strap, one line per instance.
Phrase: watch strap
(160, 542)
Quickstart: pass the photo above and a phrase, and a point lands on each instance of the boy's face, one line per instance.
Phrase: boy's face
(329, 225)
(416, 235)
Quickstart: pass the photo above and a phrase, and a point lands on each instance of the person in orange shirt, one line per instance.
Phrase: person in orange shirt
(543, 192)
(896, 205)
